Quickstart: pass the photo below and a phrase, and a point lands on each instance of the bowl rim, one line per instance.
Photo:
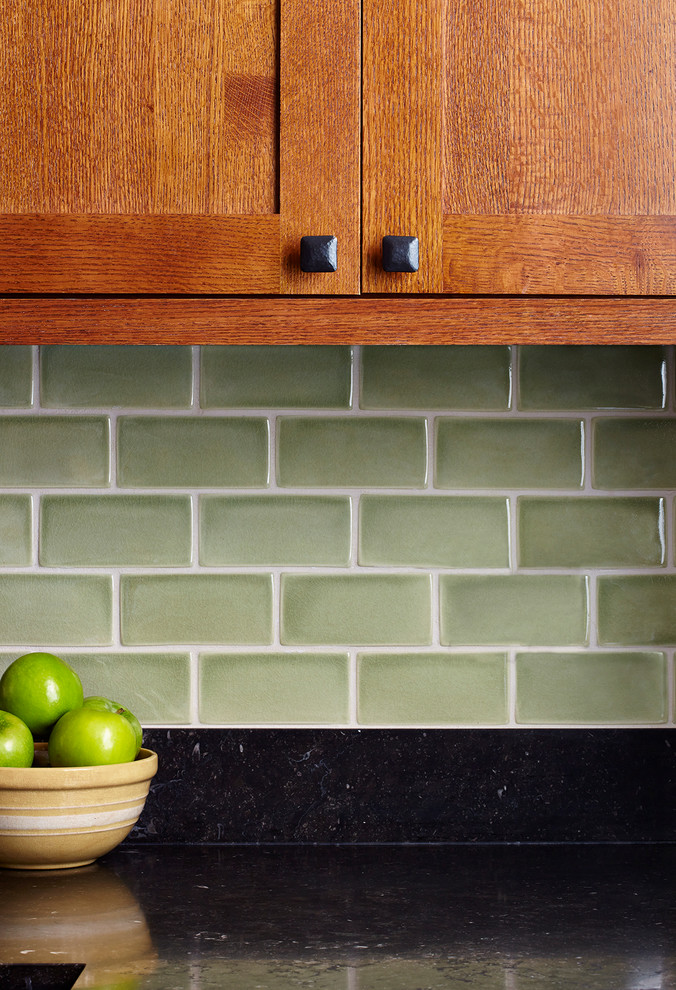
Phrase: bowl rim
(144, 767)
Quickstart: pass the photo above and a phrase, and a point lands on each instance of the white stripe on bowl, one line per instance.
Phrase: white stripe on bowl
(75, 822)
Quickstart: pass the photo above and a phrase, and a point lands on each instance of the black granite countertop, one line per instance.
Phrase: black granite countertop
(367, 917)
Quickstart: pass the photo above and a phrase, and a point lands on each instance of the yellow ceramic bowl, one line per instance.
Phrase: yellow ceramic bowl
(56, 817)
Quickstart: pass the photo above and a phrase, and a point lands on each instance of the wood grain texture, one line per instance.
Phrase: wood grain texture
(138, 106)
(320, 95)
(139, 254)
(560, 255)
(402, 138)
(356, 320)
(560, 107)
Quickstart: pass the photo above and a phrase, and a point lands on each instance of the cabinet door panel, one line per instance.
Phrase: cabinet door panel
(557, 143)
(140, 141)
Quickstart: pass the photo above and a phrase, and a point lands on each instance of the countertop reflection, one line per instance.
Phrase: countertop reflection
(353, 918)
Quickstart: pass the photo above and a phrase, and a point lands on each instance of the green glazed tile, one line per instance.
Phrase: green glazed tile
(55, 609)
(275, 529)
(281, 377)
(16, 531)
(154, 686)
(432, 689)
(119, 375)
(369, 609)
(433, 531)
(603, 688)
(591, 532)
(192, 452)
(637, 610)
(196, 608)
(352, 452)
(16, 376)
(580, 377)
(634, 453)
(518, 609)
(54, 451)
(105, 530)
(270, 688)
(450, 377)
(509, 453)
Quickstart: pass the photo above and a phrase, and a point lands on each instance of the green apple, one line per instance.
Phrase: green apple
(39, 688)
(106, 705)
(85, 737)
(16, 742)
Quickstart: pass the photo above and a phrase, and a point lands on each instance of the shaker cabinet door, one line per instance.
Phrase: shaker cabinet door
(529, 145)
(177, 146)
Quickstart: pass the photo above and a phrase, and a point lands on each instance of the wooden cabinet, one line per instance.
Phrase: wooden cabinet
(181, 148)
(530, 143)
(177, 146)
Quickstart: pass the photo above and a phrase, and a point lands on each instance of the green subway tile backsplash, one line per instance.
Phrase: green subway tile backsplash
(16, 530)
(281, 377)
(602, 688)
(196, 608)
(432, 689)
(423, 531)
(575, 377)
(273, 688)
(346, 536)
(351, 452)
(54, 451)
(275, 529)
(591, 532)
(16, 376)
(386, 609)
(509, 453)
(186, 452)
(634, 453)
(114, 530)
(86, 375)
(528, 610)
(436, 378)
(56, 609)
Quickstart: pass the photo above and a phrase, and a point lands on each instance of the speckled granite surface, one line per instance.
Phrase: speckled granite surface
(354, 918)
(479, 785)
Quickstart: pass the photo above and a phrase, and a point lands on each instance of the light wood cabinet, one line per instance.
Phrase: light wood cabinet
(162, 159)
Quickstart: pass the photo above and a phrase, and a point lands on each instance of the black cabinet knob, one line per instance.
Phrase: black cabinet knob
(400, 254)
(319, 254)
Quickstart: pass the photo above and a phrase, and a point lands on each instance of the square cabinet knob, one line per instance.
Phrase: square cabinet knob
(400, 254)
(319, 254)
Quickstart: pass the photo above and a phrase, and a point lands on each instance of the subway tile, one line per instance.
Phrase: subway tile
(273, 688)
(16, 376)
(385, 609)
(637, 609)
(54, 451)
(520, 609)
(445, 377)
(196, 608)
(582, 377)
(192, 452)
(602, 688)
(432, 689)
(591, 532)
(16, 531)
(147, 377)
(112, 530)
(154, 686)
(509, 453)
(352, 452)
(275, 529)
(54, 610)
(429, 531)
(634, 453)
(283, 377)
